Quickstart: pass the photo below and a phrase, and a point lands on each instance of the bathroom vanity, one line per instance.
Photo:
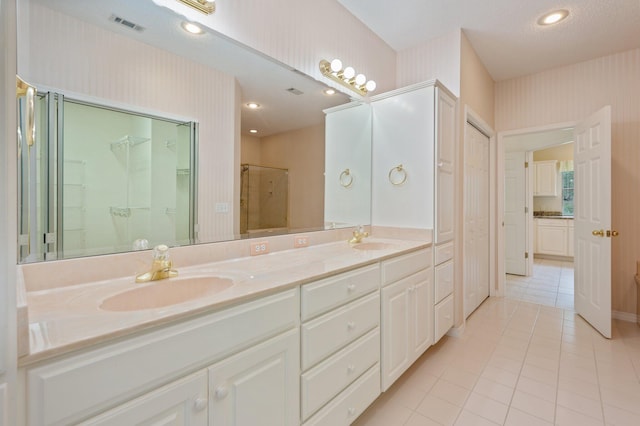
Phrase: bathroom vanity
(302, 336)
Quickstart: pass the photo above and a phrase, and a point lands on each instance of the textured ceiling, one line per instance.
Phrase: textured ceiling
(504, 33)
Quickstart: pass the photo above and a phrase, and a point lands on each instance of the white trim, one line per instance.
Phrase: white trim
(625, 316)
(457, 331)
(413, 87)
(499, 201)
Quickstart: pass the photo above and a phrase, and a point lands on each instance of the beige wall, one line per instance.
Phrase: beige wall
(571, 93)
(250, 151)
(300, 151)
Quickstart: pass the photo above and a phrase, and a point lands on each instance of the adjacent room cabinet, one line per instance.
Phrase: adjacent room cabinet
(545, 178)
(554, 237)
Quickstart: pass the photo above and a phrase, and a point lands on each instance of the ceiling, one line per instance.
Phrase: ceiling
(504, 33)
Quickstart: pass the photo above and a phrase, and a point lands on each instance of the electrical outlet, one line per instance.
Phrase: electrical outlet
(301, 241)
(222, 208)
(258, 248)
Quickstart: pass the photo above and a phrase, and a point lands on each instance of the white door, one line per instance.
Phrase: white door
(515, 216)
(476, 218)
(592, 220)
(445, 167)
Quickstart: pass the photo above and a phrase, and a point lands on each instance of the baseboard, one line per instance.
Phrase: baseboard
(624, 316)
(456, 331)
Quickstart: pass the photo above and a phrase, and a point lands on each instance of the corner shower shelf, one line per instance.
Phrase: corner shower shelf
(127, 141)
(183, 172)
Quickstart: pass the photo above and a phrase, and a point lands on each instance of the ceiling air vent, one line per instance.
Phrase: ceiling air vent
(124, 22)
(294, 91)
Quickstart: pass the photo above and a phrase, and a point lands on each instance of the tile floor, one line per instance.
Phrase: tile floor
(551, 284)
(519, 363)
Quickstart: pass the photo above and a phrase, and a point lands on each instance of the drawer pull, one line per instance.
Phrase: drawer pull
(351, 325)
(351, 287)
(200, 404)
(221, 392)
(351, 368)
(351, 411)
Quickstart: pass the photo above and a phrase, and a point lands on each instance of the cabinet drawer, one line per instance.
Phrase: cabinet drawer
(327, 379)
(444, 253)
(443, 317)
(326, 334)
(352, 402)
(403, 266)
(322, 296)
(65, 391)
(444, 281)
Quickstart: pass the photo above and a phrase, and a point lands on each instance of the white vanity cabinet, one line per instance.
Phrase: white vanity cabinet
(554, 237)
(142, 377)
(340, 346)
(407, 312)
(545, 178)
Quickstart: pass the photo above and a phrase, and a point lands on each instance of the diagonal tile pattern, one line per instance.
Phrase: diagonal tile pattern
(520, 363)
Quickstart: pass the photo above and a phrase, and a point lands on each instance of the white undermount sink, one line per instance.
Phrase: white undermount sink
(172, 291)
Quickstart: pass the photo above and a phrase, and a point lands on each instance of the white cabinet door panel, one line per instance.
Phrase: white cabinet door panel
(259, 386)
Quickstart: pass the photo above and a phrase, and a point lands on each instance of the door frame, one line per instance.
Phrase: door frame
(500, 164)
(474, 119)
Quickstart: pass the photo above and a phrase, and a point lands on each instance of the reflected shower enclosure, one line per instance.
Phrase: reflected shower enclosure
(104, 180)
(264, 199)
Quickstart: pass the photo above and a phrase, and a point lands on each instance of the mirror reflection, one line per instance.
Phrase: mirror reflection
(155, 69)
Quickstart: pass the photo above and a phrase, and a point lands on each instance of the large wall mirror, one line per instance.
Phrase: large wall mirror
(162, 145)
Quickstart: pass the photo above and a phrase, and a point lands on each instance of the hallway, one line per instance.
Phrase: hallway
(551, 284)
(518, 364)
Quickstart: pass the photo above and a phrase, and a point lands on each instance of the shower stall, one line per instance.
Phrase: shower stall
(264, 199)
(103, 180)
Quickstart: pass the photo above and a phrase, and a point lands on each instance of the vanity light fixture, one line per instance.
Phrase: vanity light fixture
(347, 76)
(553, 17)
(253, 105)
(191, 28)
(205, 6)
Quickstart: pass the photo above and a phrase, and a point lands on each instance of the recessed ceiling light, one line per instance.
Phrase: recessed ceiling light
(191, 28)
(553, 17)
(253, 131)
(329, 92)
(253, 105)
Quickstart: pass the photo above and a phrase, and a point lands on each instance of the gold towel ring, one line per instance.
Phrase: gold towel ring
(346, 178)
(402, 174)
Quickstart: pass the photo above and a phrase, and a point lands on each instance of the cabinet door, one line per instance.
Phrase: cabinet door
(259, 386)
(422, 309)
(396, 329)
(546, 178)
(570, 239)
(181, 403)
(445, 158)
(552, 240)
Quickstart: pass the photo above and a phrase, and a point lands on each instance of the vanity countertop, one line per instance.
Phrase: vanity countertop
(66, 319)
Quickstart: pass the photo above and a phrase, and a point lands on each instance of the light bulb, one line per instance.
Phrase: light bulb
(329, 92)
(349, 72)
(360, 79)
(191, 28)
(336, 65)
(370, 86)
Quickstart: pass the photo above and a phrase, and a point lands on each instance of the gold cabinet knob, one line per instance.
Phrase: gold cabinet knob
(598, 233)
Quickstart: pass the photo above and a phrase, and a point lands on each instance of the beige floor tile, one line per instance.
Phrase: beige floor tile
(516, 417)
(439, 410)
(567, 417)
(535, 388)
(487, 408)
(450, 392)
(581, 404)
(460, 377)
(540, 374)
(420, 420)
(619, 417)
(467, 418)
(533, 405)
(503, 377)
(384, 414)
(579, 387)
(405, 393)
(496, 391)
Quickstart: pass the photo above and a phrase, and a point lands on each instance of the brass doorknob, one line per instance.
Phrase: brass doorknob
(598, 233)
(614, 233)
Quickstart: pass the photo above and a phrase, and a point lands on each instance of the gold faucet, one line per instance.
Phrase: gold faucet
(358, 234)
(160, 268)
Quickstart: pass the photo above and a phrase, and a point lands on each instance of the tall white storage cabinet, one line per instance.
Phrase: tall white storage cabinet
(413, 171)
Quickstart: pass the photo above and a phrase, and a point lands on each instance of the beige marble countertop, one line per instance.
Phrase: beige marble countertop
(66, 319)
